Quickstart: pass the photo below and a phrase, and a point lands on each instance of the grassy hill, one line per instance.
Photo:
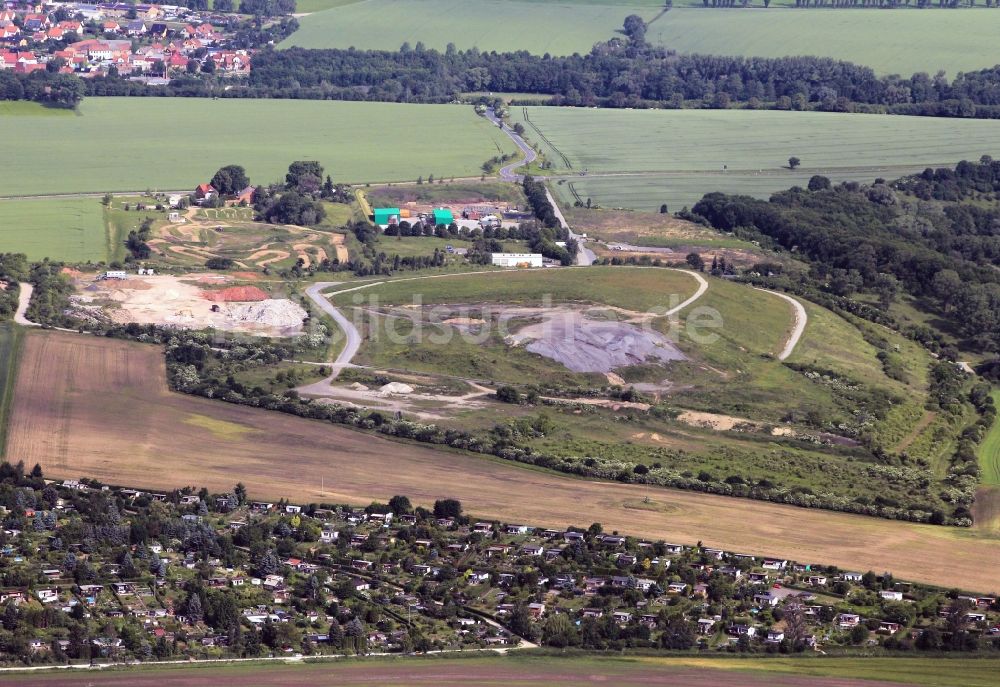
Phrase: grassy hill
(731, 410)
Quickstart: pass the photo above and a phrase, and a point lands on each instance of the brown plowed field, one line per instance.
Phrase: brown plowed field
(87, 406)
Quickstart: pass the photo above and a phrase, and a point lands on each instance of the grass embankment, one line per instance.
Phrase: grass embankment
(989, 450)
(636, 289)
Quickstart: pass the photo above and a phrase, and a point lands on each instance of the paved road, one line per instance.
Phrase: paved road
(800, 323)
(23, 298)
(507, 173)
(584, 256)
(350, 331)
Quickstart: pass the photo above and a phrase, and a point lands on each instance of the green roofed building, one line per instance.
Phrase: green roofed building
(386, 216)
(443, 216)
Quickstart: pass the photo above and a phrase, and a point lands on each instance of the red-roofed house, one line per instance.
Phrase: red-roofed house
(205, 192)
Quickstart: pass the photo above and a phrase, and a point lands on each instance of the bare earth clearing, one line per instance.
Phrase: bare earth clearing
(87, 406)
(184, 302)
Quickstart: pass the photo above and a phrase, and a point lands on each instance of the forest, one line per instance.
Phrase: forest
(930, 235)
(616, 73)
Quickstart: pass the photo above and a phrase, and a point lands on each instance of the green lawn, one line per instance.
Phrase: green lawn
(62, 229)
(558, 28)
(307, 6)
(675, 156)
(122, 144)
(898, 42)
(989, 450)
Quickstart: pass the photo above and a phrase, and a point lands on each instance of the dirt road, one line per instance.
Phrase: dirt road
(23, 299)
(797, 329)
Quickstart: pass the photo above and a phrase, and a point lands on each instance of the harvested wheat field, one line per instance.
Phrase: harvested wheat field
(87, 406)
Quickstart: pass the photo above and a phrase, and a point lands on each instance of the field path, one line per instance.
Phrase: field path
(23, 299)
(797, 329)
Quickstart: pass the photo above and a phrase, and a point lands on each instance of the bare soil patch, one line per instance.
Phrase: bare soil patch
(237, 293)
(181, 302)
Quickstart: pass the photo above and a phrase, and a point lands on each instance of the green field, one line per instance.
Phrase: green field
(899, 42)
(61, 229)
(675, 156)
(121, 144)
(989, 450)
(10, 345)
(558, 28)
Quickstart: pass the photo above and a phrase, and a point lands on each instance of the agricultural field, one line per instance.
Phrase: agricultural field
(525, 670)
(100, 407)
(989, 451)
(643, 158)
(899, 42)
(501, 25)
(57, 228)
(151, 145)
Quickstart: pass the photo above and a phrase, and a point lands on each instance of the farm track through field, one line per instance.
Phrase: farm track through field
(798, 323)
(118, 393)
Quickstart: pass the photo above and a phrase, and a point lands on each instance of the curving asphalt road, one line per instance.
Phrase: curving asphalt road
(350, 349)
(507, 173)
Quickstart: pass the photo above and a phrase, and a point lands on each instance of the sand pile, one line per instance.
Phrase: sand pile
(239, 294)
(277, 313)
(395, 388)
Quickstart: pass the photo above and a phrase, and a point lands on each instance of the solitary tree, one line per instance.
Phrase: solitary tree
(695, 261)
(663, 209)
(794, 162)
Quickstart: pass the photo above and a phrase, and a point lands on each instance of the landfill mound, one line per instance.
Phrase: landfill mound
(239, 294)
(586, 345)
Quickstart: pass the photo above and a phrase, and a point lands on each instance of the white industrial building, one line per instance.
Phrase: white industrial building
(517, 259)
